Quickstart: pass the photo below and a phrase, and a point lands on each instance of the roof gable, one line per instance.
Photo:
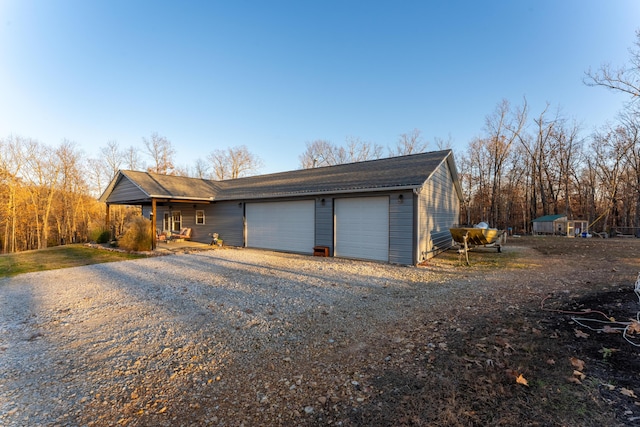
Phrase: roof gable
(139, 187)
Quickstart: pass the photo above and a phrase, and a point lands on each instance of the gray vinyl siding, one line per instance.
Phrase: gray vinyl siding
(401, 233)
(324, 223)
(227, 219)
(217, 217)
(438, 210)
(125, 191)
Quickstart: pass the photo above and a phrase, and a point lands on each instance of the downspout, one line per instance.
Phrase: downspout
(416, 227)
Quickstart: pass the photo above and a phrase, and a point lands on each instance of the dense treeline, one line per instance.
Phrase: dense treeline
(525, 165)
(521, 170)
(46, 196)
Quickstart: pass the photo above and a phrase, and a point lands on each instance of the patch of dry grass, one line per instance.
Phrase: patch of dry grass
(57, 257)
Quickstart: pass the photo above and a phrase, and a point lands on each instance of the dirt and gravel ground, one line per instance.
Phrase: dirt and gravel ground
(244, 337)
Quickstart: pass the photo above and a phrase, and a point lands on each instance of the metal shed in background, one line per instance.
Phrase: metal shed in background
(550, 224)
(559, 225)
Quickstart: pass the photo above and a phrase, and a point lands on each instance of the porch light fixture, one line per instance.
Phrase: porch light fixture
(400, 198)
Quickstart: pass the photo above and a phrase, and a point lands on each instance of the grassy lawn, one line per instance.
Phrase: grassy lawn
(58, 257)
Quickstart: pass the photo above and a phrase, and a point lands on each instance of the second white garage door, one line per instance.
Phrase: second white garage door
(282, 226)
(362, 228)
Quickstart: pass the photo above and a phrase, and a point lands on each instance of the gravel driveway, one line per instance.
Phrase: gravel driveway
(137, 342)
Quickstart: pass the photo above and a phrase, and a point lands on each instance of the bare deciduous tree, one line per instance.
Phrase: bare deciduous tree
(565, 155)
(611, 148)
(503, 127)
(201, 169)
(324, 153)
(625, 79)
(357, 150)
(409, 143)
(161, 152)
(318, 153)
(632, 127)
(234, 162)
(132, 160)
(42, 176)
(444, 144)
(70, 211)
(113, 157)
(11, 162)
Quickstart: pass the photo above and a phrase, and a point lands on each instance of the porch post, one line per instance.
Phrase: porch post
(153, 224)
(107, 219)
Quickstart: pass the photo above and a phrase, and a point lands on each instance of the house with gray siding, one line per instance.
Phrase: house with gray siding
(397, 210)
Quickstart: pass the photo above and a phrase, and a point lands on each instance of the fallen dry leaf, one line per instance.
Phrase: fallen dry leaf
(579, 375)
(521, 380)
(628, 392)
(574, 380)
(581, 334)
(634, 327)
(551, 361)
(577, 363)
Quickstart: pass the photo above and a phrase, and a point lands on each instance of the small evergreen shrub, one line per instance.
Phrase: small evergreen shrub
(104, 237)
(137, 236)
(100, 235)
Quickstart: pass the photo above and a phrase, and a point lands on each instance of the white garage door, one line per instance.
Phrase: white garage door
(362, 228)
(282, 226)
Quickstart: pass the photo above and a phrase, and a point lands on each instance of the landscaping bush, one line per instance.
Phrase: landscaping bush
(104, 237)
(100, 235)
(137, 236)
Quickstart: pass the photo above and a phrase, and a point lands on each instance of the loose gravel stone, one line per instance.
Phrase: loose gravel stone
(127, 343)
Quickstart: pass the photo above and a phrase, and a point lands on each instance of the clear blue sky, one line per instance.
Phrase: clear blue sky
(273, 75)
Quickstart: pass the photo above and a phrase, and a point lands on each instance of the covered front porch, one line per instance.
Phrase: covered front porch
(171, 203)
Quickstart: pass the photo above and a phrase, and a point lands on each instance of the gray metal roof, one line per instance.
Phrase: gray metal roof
(157, 185)
(403, 172)
(390, 173)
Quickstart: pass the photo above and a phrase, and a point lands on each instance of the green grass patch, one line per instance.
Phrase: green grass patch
(58, 257)
(485, 259)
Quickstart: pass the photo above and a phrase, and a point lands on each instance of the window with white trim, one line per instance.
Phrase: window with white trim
(176, 221)
(200, 217)
(166, 222)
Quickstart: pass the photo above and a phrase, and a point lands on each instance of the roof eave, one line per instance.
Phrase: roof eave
(185, 198)
(320, 193)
